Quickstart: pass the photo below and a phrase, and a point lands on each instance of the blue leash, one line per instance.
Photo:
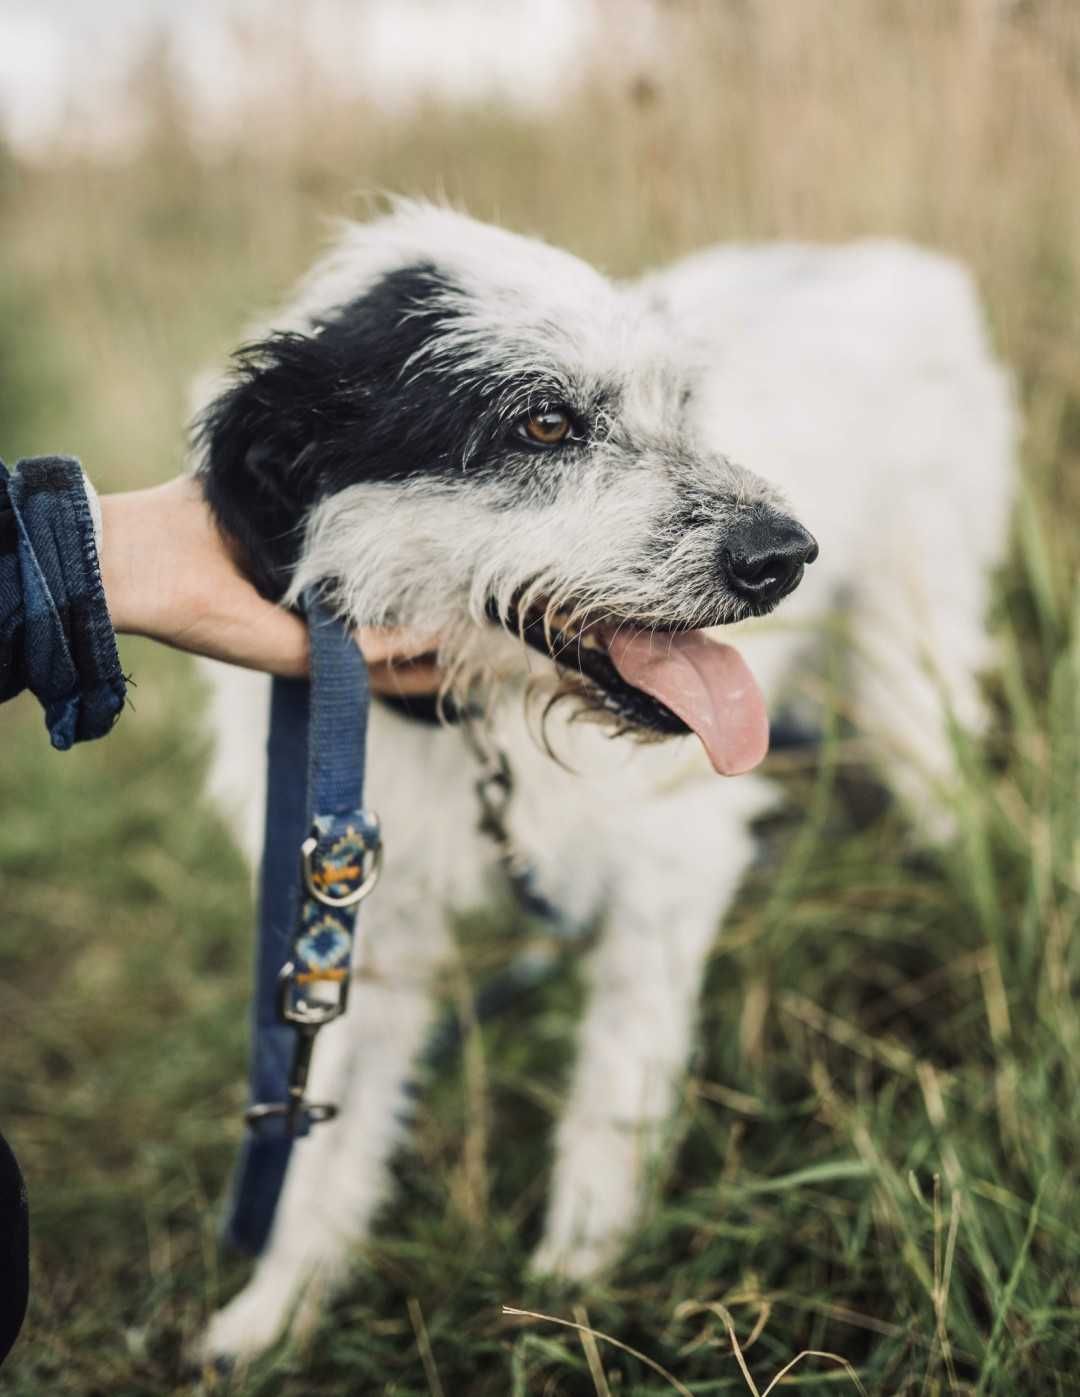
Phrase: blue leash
(321, 857)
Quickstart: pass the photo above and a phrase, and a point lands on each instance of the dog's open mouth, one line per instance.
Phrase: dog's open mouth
(664, 680)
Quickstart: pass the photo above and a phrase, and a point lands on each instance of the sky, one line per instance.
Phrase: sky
(65, 65)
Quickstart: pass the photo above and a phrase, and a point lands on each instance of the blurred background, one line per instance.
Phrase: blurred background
(876, 1152)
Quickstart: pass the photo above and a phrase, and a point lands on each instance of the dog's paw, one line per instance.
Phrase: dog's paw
(250, 1323)
(574, 1259)
(585, 1232)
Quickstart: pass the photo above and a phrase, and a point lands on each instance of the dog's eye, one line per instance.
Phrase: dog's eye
(547, 428)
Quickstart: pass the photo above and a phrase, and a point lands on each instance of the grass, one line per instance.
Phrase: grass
(875, 1152)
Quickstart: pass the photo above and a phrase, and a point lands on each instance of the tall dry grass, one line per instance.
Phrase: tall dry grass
(951, 121)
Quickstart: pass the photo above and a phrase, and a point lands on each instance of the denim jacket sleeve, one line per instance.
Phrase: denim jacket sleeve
(56, 638)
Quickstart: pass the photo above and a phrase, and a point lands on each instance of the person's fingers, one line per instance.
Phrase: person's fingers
(392, 643)
(417, 677)
(401, 660)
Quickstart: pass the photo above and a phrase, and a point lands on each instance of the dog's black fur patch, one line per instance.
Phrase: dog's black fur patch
(308, 414)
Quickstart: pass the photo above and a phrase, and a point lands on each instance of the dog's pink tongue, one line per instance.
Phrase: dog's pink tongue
(707, 684)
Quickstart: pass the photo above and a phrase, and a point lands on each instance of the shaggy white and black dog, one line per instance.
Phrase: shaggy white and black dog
(574, 481)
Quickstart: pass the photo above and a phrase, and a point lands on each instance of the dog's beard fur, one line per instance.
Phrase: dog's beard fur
(372, 448)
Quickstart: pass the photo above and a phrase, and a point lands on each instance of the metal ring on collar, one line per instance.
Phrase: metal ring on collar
(350, 899)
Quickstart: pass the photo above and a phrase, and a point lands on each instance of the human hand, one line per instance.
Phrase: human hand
(169, 573)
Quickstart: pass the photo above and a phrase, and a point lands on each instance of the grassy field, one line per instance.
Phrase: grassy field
(876, 1153)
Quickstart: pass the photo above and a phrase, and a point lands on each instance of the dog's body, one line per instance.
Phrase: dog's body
(855, 381)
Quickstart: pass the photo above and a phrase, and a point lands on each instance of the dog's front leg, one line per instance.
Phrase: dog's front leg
(338, 1174)
(675, 882)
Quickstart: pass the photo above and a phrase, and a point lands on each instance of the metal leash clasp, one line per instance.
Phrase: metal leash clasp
(306, 1010)
(307, 1016)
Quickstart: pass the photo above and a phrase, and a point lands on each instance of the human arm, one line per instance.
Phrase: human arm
(163, 570)
(170, 574)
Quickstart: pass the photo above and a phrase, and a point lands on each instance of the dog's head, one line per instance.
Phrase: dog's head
(470, 431)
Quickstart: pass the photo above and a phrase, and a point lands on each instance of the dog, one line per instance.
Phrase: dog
(574, 482)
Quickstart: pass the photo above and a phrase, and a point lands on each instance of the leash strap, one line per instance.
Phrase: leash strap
(321, 858)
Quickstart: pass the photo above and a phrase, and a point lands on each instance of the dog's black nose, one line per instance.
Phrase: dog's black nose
(763, 559)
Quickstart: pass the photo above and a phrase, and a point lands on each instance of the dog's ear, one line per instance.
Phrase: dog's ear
(259, 443)
(307, 414)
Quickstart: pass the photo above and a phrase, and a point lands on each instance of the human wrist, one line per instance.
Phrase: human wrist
(126, 555)
(170, 574)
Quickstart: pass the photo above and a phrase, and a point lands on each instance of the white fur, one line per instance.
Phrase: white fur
(857, 383)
